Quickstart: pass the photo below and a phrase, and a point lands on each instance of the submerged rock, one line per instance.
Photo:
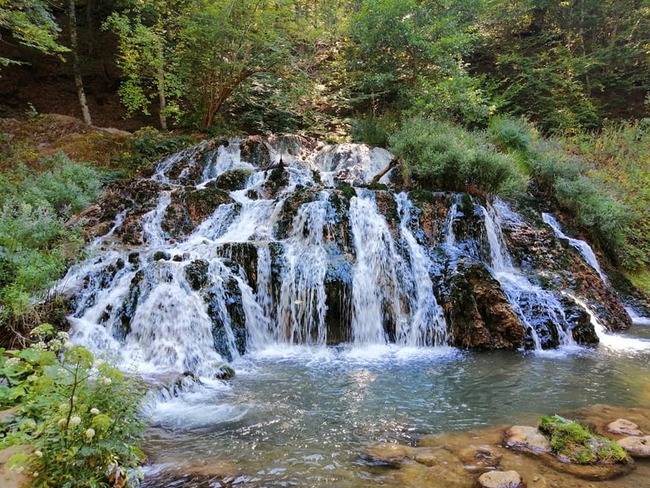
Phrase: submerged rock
(500, 479)
(624, 426)
(527, 439)
(636, 446)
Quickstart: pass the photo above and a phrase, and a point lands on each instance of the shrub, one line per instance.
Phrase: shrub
(80, 416)
(369, 130)
(35, 244)
(511, 134)
(442, 156)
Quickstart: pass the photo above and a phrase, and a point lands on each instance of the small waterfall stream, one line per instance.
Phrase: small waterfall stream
(526, 298)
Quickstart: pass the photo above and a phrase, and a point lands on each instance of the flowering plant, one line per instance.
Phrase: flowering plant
(80, 416)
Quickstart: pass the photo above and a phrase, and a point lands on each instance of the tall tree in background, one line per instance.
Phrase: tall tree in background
(76, 67)
(565, 64)
(411, 52)
(147, 31)
(223, 43)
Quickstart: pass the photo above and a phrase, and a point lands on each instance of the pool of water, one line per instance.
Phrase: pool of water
(303, 416)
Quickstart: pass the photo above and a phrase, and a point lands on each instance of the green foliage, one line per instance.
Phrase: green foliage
(146, 147)
(510, 134)
(409, 54)
(442, 156)
(34, 241)
(80, 416)
(32, 24)
(574, 441)
(620, 155)
(566, 64)
(370, 130)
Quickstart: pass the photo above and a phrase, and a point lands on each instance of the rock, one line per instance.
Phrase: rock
(234, 179)
(500, 479)
(478, 313)
(161, 256)
(636, 446)
(224, 372)
(196, 273)
(623, 426)
(527, 439)
(479, 458)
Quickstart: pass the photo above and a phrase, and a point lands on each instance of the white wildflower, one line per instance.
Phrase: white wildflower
(62, 423)
(74, 421)
(107, 381)
(38, 453)
(94, 411)
(90, 433)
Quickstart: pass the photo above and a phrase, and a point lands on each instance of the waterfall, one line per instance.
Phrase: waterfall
(426, 326)
(301, 308)
(209, 272)
(583, 247)
(529, 301)
(374, 284)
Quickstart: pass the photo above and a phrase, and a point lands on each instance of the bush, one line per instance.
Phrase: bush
(442, 156)
(510, 134)
(80, 416)
(35, 244)
(369, 130)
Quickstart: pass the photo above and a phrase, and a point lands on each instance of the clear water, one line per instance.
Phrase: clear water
(302, 416)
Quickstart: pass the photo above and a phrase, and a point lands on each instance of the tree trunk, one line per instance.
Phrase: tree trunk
(161, 94)
(72, 17)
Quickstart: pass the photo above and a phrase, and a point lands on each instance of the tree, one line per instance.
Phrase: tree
(76, 67)
(31, 24)
(224, 43)
(405, 50)
(147, 32)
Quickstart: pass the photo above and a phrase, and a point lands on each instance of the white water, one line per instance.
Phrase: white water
(375, 296)
(583, 247)
(528, 300)
(426, 326)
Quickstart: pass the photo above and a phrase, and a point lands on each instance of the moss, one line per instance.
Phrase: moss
(576, 442)
(232, 180)
(347, 191)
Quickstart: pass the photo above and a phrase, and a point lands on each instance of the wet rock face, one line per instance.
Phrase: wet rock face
(189, 207)
(478, 313)
(558, 265)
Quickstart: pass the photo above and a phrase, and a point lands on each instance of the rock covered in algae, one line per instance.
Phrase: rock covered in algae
(500, 479)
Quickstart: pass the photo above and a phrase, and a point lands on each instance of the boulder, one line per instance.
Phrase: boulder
(636, 446)
(527, 439)
(624, 426)
(500, 479)
(477, 311)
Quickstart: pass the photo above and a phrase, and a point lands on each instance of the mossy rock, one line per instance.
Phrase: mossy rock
(224, 372)
(577, 444)
(232, 180)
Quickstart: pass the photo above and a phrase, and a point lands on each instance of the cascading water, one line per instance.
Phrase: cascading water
(279, 262)
(529, 301)
(426, 326)
(583, 247)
